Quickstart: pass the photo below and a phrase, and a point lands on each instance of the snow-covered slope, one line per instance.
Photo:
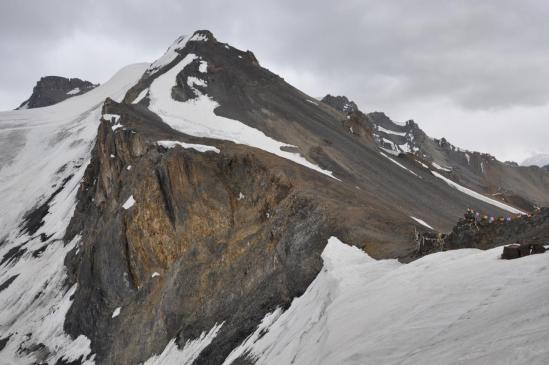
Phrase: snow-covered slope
(196, 117)
(457, 307)
(45, 152)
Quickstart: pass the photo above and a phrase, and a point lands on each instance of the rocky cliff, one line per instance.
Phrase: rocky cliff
(50, 90)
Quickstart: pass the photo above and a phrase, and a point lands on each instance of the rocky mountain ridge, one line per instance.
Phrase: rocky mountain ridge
(50, 90)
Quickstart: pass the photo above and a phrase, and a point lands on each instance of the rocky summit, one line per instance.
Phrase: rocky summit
(201, 210)
(50, 90)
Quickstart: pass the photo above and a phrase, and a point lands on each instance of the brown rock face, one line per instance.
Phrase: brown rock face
(230, 239)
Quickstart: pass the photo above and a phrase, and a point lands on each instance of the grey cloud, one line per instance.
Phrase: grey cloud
(386, 55)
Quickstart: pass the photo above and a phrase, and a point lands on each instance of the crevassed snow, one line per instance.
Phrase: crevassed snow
(189, 353)
(129, 203)
(400, 165)
(381, 129)
(422, 222)
(74, 91)
(116, 312)
(141, 96)
(478, 196)
(51, 144)
(194, 146)
(456, 307)
(197, 117)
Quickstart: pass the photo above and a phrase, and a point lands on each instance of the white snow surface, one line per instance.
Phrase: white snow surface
(422, 222)
(456, 307)
(400, 165)
(169, 56)
(381, 129)
(116, 312)
(203, 67)
(129, 203)
(141, 96)
(187, 355)
(197, 117)
(194, 146)
(74, 91)
(441, 168)
(40, 148)
(478, 196)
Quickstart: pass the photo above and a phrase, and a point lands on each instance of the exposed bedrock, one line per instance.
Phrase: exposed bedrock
(211, 238)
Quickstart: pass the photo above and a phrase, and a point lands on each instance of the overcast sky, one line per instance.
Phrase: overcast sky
(476, 72)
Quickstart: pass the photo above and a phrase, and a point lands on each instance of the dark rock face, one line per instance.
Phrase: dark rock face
(340, 103)
(50, 90)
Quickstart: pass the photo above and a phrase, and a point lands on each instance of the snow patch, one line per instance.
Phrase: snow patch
(116, 312)
(400, 165)
(203, 67)
(155, 274)
(129, 203)
(199, 37)
(381, 129)
(194, 146)
(74, 91)
(441, 168)
(141, 96)
(478, 196)
(113, 118)
(422, 222)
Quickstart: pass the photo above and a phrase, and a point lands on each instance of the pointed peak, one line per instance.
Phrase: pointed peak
(50, 90)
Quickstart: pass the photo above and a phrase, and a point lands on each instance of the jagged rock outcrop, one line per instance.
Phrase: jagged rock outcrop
(340, 103)
(50, 90)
